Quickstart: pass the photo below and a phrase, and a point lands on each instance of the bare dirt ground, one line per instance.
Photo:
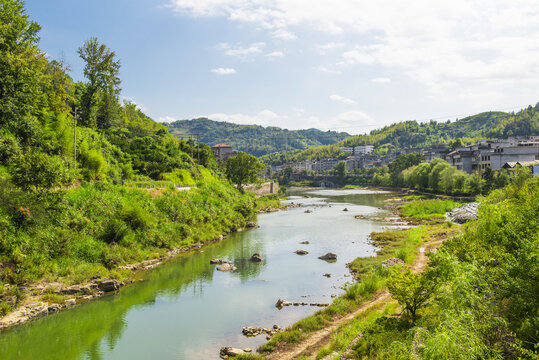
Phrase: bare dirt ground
(321, 337)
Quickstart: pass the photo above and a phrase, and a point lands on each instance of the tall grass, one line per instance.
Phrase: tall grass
(425, 209)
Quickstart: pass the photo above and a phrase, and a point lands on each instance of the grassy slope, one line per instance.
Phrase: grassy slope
(75, 234)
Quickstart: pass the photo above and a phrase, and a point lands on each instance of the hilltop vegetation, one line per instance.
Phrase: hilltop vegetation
(411, 134)
(67, 219)
(254, 139)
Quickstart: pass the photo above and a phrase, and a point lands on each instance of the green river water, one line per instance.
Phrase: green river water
(185, 309)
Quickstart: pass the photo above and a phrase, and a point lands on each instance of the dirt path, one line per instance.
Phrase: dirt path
(321, 337)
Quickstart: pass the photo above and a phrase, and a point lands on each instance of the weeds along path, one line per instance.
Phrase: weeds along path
(321, 337)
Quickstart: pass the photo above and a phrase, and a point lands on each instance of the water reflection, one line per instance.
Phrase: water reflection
(185, 309)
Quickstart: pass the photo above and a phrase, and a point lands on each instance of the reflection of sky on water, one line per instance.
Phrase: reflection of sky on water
(187, 310)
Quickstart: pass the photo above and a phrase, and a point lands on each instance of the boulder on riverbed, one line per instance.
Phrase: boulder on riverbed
(109, 285)
(328, 256)
(251, 224)
(304, 243)
(301, 252)
(308, 211)
(345, 209)
(219, 261)
(226, 267)
(257, 258)
(230, 351)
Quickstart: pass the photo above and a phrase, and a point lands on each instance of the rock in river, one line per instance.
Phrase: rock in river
(256, 257)
(109, 285)
(304, 242)
(219, 261)
(328, 256)
(230, 351)
(226, 267)
(301, 252)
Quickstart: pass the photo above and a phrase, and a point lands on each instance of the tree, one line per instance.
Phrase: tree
(340, 171)
(402, 162)
(411, 290)
(101, 70)
(21, 65)
(36, 170)
(243, 169)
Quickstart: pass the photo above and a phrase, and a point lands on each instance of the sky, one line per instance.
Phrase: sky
(344, 65)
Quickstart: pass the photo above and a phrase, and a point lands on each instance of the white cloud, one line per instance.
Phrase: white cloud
(451, 47)
(341, 99)
(381, 80)
(138, 105)
(166, 119)
(326, 70)
(223, 71)
(324, 48)
(284, 34)
(264, 117)
(243, 52)
(275, 54)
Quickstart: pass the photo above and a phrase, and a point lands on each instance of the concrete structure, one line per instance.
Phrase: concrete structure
(223, 151)
(263, 189)
(435, 152)
(494, 154)
(358, 149)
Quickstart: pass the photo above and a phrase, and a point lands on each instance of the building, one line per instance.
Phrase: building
(358, 150)
(435, 152)
(223, 151)
(522, 151)
(494, 154)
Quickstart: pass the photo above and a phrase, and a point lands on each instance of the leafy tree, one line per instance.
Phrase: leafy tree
(340, 171)
(243, 169)
(36, 170)
(102, 71)
(411, 290)
(402, 162)
(21, 64)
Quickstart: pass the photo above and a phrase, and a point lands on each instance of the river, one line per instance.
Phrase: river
(185, 309)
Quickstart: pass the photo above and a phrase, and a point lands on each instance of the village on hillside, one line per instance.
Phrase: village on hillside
(496, 154)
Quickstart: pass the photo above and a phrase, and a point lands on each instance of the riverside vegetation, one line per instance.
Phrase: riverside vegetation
(476, 298)
(68, 220)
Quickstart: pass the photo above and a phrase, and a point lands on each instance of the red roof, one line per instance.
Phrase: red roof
(220, 146)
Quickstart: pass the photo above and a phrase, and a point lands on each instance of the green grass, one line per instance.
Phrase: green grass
(72, 235)
(371, 279)
(428, 209)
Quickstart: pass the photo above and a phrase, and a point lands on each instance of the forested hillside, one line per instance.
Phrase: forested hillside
(67, 216)
(411, 134)
(254, 139)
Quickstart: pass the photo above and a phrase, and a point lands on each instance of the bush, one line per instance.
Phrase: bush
(114, 232)
(37, 170)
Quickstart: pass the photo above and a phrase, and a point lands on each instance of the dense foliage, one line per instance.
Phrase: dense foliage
(482, 287)
(71, 218)
(414, 135)
(254, 139)
(243, 169)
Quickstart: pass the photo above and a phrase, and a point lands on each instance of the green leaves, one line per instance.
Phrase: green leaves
(411, 290)
(243, 169)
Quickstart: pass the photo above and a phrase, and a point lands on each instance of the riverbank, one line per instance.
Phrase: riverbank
(404, 246)
(115, 233)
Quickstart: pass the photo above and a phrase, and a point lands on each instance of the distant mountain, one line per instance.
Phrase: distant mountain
(254, 139)
(411, 134)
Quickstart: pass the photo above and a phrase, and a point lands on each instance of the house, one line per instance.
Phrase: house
(223, 151)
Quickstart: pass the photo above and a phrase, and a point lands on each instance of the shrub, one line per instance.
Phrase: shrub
(114, 232)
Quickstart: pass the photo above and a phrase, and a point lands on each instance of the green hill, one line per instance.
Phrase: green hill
(254, 139)
(411, 134)
(66, 218)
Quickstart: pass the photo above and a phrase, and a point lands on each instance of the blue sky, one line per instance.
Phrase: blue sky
(348, 65)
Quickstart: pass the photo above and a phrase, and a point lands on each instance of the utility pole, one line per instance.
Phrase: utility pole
(75, 137)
